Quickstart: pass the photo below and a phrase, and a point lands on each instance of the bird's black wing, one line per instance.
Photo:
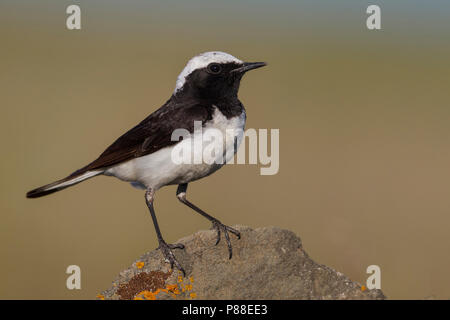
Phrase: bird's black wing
(152, 134)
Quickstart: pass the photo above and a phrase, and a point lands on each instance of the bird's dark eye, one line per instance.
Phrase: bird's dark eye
(214, 68)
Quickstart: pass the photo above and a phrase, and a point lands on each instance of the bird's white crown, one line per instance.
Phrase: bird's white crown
(201, 61)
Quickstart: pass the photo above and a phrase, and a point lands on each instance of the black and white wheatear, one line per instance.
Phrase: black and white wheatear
(206, 91)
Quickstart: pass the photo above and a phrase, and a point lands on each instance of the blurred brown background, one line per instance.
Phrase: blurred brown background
(364, 135)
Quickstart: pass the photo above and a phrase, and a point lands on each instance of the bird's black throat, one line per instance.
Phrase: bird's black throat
(212, 90)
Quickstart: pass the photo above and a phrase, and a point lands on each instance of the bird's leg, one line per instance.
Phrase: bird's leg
(163, 246)
(216, 224)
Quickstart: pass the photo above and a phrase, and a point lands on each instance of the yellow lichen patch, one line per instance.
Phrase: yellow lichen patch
(101, 297)
(147, 286)
(176, 291)
(140, 264)
(151, 295)
(171, 289)
(146, 295)
(191, 279)
(143, 281)
(363, 288)
(193, 295)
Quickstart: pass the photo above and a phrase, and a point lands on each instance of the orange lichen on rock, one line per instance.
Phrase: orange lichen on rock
(146, 295)
(363, 288)
(143, 281)
(171, 289)
(101, 297)
(146, 286)
(140, 264)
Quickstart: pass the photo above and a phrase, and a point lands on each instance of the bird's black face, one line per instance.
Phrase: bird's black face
(218, 80)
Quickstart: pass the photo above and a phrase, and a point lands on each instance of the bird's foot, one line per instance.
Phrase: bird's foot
(220, 227)
(166, 250)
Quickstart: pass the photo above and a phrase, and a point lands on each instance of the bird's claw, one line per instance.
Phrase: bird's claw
(220, 227)
(166, 250)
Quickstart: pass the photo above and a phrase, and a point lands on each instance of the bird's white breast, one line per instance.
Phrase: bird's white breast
(158, 169)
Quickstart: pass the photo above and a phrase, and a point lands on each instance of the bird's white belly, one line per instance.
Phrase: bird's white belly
(159, 168)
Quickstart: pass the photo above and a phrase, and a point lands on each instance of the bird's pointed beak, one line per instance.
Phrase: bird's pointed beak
(246, 66)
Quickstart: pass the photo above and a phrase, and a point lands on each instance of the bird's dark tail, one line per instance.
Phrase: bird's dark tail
(71, 180)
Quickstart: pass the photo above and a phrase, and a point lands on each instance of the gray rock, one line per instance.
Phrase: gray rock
(267, 263)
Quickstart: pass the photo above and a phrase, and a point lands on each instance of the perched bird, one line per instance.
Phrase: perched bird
(206, 92)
